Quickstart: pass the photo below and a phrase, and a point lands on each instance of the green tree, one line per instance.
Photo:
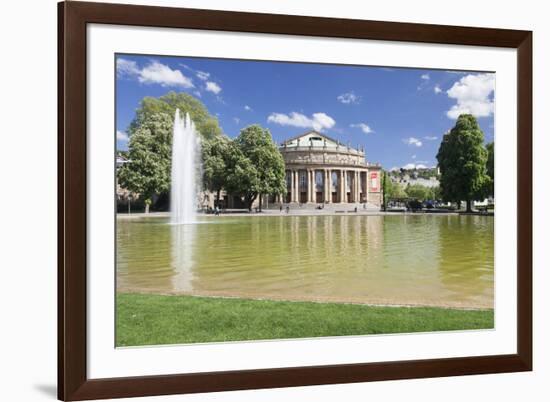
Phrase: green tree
(398, 191)
(242, 176)
(148, 172)
(206, 124)
(417, 191)
(215, 161)
(393, 190)
(386, 187)
(150, 142)
(462, 160)
(491, 168)
(435, 193)
(263, 165)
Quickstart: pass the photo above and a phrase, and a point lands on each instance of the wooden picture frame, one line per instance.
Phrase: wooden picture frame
(73, 382)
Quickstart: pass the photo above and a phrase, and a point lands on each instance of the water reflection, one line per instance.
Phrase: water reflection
(182, 244)
(429, 260)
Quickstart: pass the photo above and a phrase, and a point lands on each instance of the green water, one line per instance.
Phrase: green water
(402, 259)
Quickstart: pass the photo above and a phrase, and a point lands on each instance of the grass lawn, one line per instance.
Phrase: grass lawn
(156, 320)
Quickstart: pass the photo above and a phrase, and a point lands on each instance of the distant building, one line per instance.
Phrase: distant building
(320, 169)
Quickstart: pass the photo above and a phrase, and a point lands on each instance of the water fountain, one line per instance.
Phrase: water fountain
(185, 160)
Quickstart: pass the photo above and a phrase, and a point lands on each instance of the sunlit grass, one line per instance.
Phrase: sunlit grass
(156, 319)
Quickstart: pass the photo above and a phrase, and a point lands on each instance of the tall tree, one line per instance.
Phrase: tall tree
(242, 176)
(148, 170)
(215, 161)
(386, 188)
(462, 159)
(267, 167)
(150, 142)
(418, 191)
(491, 168)
(207, 125)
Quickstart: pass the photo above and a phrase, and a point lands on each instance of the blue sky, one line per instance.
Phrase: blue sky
(398, 115)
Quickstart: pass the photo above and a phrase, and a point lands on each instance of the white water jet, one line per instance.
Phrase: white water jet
(185, 161)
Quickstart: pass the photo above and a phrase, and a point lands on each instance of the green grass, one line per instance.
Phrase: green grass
(156, 320)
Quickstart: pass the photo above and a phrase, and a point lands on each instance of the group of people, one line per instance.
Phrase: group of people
(215, 210)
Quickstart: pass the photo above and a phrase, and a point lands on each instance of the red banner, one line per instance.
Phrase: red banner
(374, 185)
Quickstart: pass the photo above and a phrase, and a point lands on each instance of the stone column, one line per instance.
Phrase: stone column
(357, 190)
(342, 185)
(345, 185)
(309, 186)
(325, 185)
(297, 186)
(330, 185)
(294, 193)
(312, 189)
(367, 187)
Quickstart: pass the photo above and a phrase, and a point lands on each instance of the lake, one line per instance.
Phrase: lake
(430, 260)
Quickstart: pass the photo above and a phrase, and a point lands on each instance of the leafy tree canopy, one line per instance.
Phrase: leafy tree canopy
(149, 152)
(260, 161)
(150, 141)
(418, 191)
(206, 124)
(462, 160)
(491, 168)
(215, 162)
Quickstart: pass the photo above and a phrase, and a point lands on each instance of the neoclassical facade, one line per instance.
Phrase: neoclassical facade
(321, 170)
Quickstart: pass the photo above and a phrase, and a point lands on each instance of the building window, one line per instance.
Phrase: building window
(319, 181)
(303, 180)
(334, 182)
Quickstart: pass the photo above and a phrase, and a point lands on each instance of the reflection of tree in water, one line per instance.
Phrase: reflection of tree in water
(390, 259)
(466, 256)
(408, 273)
(143, 254)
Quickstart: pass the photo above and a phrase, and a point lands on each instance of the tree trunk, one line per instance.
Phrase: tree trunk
(146, 207)
(469, 206)
(260, 202)
(249, 199)
(217, 199)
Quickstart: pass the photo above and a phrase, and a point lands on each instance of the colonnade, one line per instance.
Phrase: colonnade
(338, 185)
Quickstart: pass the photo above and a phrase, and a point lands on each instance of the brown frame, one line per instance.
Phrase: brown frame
(73, 383)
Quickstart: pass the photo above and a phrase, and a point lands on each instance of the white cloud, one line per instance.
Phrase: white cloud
(317, 121)
(154, 73)
(247, 108)
(412, 141)
(414, 156)
(421, 166)
(473, 95)
(158, 73)
(197, 93)
(124, 66)
(236, 120)
(364, 127)
(394, 169)
(121, 136)
(425, 77)
(437, 89)
(203, 75)
(430, 138)
(213, 87)
(348, 97)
